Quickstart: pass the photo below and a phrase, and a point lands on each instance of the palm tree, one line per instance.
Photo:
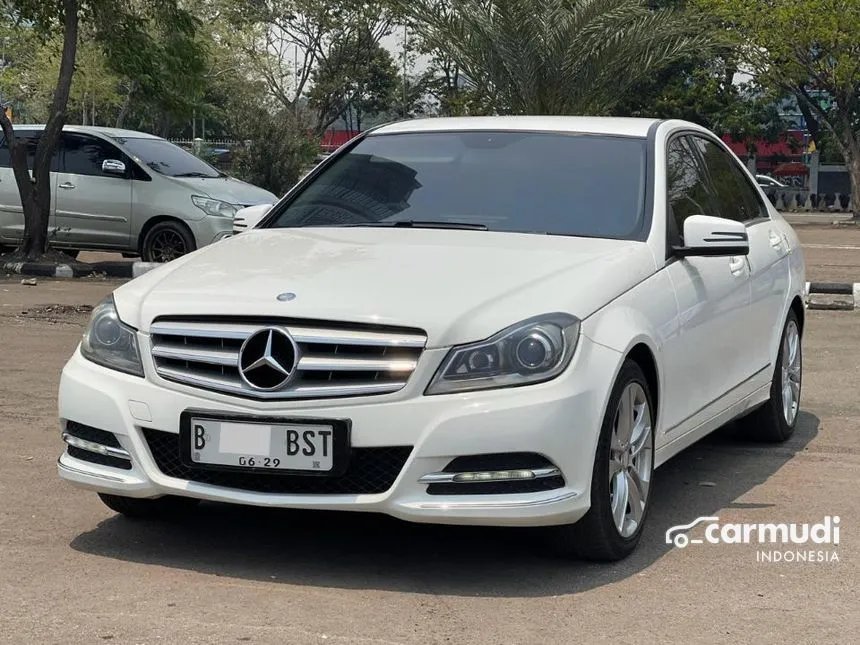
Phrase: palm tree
(555, 56)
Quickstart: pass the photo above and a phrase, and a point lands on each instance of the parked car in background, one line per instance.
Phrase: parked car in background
(128, 191)
(497, 321)
(769, 185)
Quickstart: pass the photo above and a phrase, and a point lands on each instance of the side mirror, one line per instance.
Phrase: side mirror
(113, 167)
(248, 218)
(713, 236)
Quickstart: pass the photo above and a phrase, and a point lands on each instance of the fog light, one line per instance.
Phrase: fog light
(494, 476)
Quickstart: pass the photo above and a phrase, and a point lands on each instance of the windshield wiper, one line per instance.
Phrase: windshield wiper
(196, 173)
(416, 223)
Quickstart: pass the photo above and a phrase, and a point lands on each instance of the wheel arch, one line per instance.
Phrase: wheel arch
(800, 311)
(634, 336)
(643, 356)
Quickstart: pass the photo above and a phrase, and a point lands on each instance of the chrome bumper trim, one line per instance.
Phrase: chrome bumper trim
(448, 478)
(98, 448)
(485, 504)
(87, 473)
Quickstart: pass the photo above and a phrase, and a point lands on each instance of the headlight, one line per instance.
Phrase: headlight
(214, 207)
(110, 343)
(534, 350)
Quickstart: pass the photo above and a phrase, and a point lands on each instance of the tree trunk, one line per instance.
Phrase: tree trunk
(120, 119)
(851, 151)
(852, 161)
(811, 120)
(36, 193)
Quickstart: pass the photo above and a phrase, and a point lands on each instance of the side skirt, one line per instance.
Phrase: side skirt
(753, 400)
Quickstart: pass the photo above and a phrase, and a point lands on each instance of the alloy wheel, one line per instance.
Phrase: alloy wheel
(631, 453)
(167, 245)
(792, 369)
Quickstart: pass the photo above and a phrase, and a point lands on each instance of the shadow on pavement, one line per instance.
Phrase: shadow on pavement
(362, 551)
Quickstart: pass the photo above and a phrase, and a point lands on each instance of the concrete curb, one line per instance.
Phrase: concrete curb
(79, 270)
(833, 296)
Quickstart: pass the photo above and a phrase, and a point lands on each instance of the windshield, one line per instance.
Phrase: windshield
(527, 182)
(167, 159)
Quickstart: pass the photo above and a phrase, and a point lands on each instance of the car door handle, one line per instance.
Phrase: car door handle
(67, 185)
(737, 264)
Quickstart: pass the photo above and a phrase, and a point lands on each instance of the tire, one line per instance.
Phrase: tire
(597, 535)
(167, 241)
(776, 420)
(146, 509)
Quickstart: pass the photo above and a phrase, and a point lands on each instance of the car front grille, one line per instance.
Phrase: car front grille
(333, 360)
(370, 470)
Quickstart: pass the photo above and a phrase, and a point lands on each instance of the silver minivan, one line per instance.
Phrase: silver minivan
(126, 191)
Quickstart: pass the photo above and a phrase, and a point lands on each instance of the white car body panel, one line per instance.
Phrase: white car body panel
(342, 274)
(711, 324)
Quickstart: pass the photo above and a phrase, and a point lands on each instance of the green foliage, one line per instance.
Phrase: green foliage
(349, 83)
(283, 41)
(555, 56)
(808, 48)
(143, 55)
(704, 91)
(276, 153)
(154, 44)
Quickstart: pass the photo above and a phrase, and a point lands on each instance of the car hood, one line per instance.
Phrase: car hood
(228, 189)
(458, 286)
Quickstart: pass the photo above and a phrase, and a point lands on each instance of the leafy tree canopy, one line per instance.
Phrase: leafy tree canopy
(556, 56)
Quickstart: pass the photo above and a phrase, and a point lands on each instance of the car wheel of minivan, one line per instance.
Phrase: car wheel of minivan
(621, 481)
(167, 241)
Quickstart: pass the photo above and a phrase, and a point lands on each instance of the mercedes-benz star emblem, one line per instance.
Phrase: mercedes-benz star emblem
(268, 358)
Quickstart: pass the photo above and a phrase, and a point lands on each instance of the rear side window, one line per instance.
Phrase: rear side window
(735, 196)
(31, 139)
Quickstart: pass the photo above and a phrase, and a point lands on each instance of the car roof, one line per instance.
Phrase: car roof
(104, 131)
(615, 126)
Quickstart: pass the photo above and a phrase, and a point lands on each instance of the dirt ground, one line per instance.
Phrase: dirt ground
(73, 572)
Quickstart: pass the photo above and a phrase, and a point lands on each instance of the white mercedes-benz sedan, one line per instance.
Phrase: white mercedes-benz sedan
(497, 321)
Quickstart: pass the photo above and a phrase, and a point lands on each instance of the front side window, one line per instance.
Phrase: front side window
(688, 187)
(735, 197)
(523, 182)
(84, 154)
(167, 159)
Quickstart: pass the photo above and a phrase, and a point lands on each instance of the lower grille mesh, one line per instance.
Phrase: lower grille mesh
(370, 470)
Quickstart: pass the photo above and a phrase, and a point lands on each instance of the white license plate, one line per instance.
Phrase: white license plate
(258, 445)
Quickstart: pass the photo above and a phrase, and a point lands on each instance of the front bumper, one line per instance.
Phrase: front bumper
(210, 229)
(559, 419)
